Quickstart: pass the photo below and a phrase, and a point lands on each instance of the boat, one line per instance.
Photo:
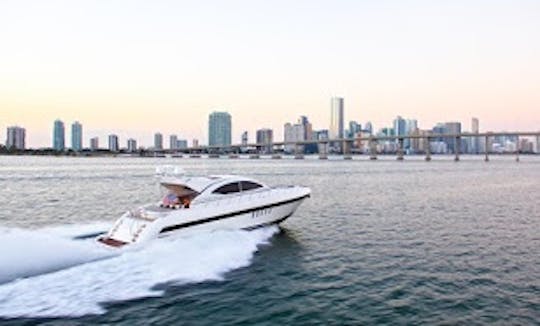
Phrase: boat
(194, 204)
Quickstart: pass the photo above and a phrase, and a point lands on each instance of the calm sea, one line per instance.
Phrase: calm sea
(380, 242)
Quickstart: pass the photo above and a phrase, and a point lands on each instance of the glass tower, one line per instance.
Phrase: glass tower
(58, 136)
(76, 136)
(336, 118)
(219, 129)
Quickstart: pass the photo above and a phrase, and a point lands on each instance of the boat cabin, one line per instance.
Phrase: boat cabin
(181, 192)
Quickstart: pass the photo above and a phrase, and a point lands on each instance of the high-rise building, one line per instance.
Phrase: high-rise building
(354, 129)
(320, 135)
(173, 142)
(475, 126)
(113, 143)
(58, 136)
(158, 141)
(475, 141)
(368, 128)
(265, 136)
(16, 138)
(399, 126)
(131, 145)
(219, 129)
(411, 125)
(293, 133)
(336, 118)
(76, 136)
(94, 143)
(195, 142)
(452, 128)
(244, 139)
(181, 144)
(308, 128)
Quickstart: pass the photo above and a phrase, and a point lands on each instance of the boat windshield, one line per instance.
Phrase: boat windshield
(177, 196)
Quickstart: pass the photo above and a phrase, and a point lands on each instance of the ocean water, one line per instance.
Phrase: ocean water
(380, 242)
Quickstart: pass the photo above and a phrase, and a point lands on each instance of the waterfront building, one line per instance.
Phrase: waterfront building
(244, 141)
(195, 143)
(293, 133)
(386, 132)
(76, 136)
(94, 144)
(411, 125)
(308, 127)
(265, 136)
(58, 136)
(399, 126)
(16, 138)
(131, 145)
(181, 144)
(368, 128)
(158, 141)
(113, 143)
(475, 141)
(219, 129)
(173, 142)
(354, 129)
(336, 118)
(320, 135)
(475, 126)
(419, 145)
(452, 128)
(526, 146)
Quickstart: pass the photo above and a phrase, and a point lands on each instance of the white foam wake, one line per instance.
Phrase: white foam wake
(79, 290)
(25, 253)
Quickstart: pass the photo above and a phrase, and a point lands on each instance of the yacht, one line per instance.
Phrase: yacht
(195, 204)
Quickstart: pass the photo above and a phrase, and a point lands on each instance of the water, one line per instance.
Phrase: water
(378, 243)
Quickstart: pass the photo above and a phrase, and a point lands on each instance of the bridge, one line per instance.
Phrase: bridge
(346, 148)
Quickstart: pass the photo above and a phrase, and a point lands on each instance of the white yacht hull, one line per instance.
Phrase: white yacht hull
(242, 212)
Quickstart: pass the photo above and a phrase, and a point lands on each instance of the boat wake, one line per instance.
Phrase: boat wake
(62, 272)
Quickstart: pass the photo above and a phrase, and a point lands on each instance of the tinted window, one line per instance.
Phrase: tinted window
(227, 189)
(248, 185)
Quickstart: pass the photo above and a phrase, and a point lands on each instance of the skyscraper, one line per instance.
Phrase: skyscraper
(173, 142)
(475, 126)
(16, 138)
(244, 138)
(58, 136)
(354, 129)
(293, 133)
(181, 144)
(368, 127)
(411, 125)
(308, 128)
(76, 136)
(399, 126)
(475, 142)
(265, 136)
(94, 144)
(131, 145)
(452, 128)
(219, 129)
(336, 118)
(113, 143)
(158, 141)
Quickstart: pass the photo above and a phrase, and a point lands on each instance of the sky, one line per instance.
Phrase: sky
(138, 67)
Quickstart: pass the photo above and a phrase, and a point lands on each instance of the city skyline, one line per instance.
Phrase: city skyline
(219, 124)
(163, 66)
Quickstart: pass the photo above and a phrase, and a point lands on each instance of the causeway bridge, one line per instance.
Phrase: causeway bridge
(368, 144)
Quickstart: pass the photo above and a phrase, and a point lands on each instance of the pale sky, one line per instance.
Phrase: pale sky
(137, 67)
